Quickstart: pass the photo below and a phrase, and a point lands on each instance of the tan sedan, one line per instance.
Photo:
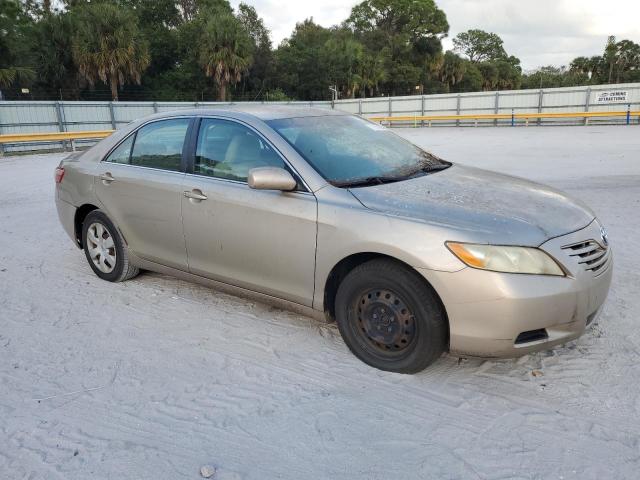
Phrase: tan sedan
(337, 217)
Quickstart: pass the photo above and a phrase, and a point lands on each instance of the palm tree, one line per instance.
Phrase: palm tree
(581, 65)
(609, 56)
(372, 72)
(8, 75)
(225, 51)
(108, 46)
(452, 69)
(14, 45)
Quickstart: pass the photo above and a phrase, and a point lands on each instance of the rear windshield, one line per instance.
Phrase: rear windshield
(348, 150)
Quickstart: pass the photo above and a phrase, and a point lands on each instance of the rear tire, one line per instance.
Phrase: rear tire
(105, 249)
(390, 318)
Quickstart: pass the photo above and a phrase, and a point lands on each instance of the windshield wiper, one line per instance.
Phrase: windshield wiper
(428, 168)
(380, 179)
(363, 182)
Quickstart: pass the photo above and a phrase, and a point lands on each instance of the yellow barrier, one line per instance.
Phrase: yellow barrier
(53, 136)
(504, 116)
(95, 134)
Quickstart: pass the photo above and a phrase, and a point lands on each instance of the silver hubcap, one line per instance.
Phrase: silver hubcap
(101, 248)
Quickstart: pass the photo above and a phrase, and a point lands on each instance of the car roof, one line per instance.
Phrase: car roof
(262, 112)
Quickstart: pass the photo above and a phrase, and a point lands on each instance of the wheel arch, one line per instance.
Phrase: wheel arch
(344, 266)
(78, 220)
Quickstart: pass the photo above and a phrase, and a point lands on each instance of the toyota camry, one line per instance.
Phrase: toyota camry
(331, 215)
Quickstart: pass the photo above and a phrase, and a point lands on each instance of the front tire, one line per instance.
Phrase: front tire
(105, 249)
(390, 318)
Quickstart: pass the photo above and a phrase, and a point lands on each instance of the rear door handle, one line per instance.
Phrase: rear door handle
(195, 194)
(106, 178)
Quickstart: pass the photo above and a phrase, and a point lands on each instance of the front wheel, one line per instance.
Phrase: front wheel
(105, 249)
(390, 318)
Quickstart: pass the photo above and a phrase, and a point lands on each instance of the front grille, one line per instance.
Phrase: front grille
(590, 255)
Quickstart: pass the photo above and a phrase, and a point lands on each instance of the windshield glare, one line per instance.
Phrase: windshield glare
(347, 149)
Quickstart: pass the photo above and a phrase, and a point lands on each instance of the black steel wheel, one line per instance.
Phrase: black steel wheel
(386, 322)
(390, 317)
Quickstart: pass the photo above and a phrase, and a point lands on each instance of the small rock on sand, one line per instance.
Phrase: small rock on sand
(207, 471)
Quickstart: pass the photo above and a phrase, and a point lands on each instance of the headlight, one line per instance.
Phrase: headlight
(505, 259)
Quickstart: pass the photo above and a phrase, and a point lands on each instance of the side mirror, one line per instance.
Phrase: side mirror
(271, 178)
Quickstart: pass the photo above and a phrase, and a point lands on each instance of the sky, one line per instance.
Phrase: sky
(539, 32)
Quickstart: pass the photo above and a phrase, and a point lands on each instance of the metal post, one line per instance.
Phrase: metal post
(458, 100)
(497, 107)
(628, 114)
(513, 118)
(390, 108)
(60, 118)
(155, 107)
(422, 110)
(2, 149)
(540, 97)
(334, 95)
(587, 102)
(112, 115)
(360, 106)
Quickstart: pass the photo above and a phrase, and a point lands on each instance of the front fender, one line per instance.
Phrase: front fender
(346, 228)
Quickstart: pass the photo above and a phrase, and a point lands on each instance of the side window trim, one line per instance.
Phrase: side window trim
(134, 136)
(191, 144)
(194, 143)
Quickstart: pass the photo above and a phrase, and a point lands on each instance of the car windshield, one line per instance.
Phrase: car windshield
(349, 151)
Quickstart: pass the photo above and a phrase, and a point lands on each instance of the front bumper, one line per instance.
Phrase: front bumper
(504, 315)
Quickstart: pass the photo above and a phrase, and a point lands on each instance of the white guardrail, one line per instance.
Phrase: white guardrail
(474, 108)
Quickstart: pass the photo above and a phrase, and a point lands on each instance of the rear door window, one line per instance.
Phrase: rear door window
(122, 154)
(159, 144)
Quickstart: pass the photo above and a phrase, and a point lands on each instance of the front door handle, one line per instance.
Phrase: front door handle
(107, 178)
(195, 194)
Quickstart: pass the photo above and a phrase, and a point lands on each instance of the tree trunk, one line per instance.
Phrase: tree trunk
(610, 71)
(113, 81)
(222, 93)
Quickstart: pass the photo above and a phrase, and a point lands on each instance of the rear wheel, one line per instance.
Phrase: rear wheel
(390, 318)
(104, 248)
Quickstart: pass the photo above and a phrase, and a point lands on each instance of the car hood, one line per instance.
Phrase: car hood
(482, 206)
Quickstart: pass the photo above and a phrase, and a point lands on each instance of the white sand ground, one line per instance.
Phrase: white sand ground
(152, 378)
